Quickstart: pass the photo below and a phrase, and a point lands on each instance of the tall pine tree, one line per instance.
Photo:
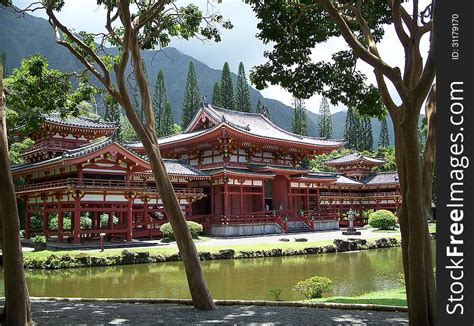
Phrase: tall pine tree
(3, 61)
(167, 121)
(351, 129)
(299, 125)
(366, 138)
(192, 99)
(159, 100)
(259, 107)
(112, 114)
(266, 111)
(384, 140)
(227, 89)
(242, 93)
(216, 95)
(325, 119)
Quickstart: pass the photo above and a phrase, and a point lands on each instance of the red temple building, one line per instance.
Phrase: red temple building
(236, 173)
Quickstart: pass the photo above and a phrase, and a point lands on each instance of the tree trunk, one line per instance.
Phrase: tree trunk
(17, 309)
(195, 276)
(412, 215)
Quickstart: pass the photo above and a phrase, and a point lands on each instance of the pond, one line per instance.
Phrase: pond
(353, 273)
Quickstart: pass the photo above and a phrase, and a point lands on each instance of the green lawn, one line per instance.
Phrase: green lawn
(432, 227)
(201, 246)
(392, 297)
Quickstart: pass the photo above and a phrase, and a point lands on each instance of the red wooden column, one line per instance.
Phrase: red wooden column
(318, 200)
(241, 189)
(213, 199)
(306, 202)
(60, 223)
(226, 199)
(45, 219)
(77, 219)
(263, 195)
(80, 172)
(290, 198)
(129, 220)
(27, 219)
(110, 224)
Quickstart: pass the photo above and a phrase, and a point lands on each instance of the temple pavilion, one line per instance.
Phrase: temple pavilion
(235, 173)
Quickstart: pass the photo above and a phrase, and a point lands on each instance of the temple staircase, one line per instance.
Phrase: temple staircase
(298, 227)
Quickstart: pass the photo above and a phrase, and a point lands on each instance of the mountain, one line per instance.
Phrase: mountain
(28, 35)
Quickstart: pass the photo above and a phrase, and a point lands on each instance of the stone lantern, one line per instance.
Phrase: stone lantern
(351, 230)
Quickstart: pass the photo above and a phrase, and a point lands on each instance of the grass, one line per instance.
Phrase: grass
(432, 227)
(392, 297)
(201, 246)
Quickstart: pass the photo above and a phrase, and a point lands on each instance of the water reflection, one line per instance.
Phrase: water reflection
(352, 273)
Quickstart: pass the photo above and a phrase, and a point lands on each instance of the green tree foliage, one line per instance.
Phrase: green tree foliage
(16, 148)
(159, 99)
(34, 89)
(242, 93)
(3, 61)
(366, 138)
(216, 94)
(227, 89)
(352, 129)
(127, 133)
(266, 111)
(192, 98)
(259, 106)
(112, 114)
(177, 129)
(384, 140)
(298, 123)
(325, 119)
(167, 121)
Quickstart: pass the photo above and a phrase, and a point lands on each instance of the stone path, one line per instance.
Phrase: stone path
(88, 313)
(311, 236)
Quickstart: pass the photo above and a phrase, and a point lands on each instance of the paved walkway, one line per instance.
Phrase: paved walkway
(311, 236)
(64, 313)
(258, 239)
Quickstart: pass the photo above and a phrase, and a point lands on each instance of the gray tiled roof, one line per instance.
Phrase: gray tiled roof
(77, 121)
(236, 170)
(318, 175)
(353, 157)
(181, 167)
(89, 148)
(343, 180)
(381, 178)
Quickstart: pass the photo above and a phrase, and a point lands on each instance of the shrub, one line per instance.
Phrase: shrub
(275, 293)
(313, 287)
(194, 228)
(36, 221)
(382, 219)
(38, 239)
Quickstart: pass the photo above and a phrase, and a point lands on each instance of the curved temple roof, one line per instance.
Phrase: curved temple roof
(80, 122)
(258, 125)
(353, 158)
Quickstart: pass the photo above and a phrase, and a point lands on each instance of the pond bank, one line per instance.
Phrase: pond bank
(127, 257)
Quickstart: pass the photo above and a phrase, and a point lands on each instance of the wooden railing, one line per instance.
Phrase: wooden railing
(360, 195)
(51, 145)
(109, 184)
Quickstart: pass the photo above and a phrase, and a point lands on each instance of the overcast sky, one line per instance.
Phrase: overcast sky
(238, 44)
